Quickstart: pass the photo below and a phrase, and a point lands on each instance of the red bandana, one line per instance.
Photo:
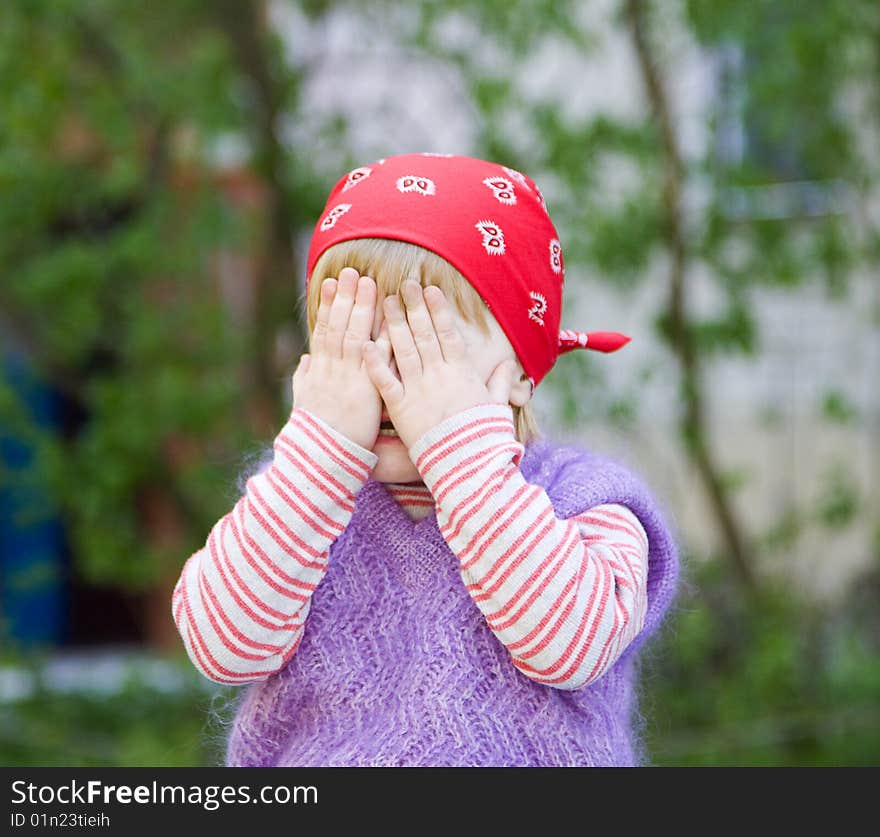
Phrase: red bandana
(488, 221)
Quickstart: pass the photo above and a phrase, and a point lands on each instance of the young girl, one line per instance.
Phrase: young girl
(418, 578)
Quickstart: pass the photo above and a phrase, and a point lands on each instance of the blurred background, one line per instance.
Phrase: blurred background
(713, 168)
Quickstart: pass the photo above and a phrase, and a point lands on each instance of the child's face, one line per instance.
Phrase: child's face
(394, 464)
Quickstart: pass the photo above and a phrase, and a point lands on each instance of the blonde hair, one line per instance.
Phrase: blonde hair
(389, 263)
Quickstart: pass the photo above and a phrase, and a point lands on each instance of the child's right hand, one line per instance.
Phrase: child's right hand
(332, 381)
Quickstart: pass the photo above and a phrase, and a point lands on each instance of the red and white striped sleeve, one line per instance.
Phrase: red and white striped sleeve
(241, 601)
(564, 596)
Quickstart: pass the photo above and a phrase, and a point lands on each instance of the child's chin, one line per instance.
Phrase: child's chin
(394, 465)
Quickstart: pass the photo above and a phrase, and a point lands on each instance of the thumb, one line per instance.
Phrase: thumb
(501, 381)
(301, 367)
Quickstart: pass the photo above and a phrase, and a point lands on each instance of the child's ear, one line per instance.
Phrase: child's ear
(521, 391)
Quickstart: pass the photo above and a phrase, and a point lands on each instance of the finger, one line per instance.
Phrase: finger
(326, 294)
(451, 342)
(300, 370)
(406, 355)
(385, 382)
(421, 325)
(340, 311)
(361, 321)
(383, 343)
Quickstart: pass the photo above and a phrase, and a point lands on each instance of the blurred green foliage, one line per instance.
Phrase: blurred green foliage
(105, 283)
(137, 724)
(765, 681)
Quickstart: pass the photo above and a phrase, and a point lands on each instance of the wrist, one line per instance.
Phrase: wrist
(331, 440)
(469, 433)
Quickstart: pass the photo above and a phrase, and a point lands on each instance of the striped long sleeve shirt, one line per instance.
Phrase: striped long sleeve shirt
(564, 596)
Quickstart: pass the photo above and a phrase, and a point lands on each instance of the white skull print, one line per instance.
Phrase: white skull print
(541, 199)
(414, 183)
(537, 311)
(555, 255)
(493, 237)
(355, 176)
(519, 177)
(334, 215)
(502, 189)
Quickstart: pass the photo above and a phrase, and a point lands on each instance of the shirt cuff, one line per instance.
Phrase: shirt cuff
(465, 436)
(329, 450)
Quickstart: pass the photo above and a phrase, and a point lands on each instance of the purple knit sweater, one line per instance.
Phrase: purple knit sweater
(397, 666)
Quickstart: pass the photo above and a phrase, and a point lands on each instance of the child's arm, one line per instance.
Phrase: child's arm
(241, 601)
(564, 596)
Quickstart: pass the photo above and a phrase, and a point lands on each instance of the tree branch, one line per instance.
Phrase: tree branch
(276, 293)
(694, 426)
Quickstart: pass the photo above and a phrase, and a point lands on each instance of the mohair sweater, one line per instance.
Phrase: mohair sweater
(398, 667)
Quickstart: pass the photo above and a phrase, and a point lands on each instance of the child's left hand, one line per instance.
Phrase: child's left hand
(437, 376)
